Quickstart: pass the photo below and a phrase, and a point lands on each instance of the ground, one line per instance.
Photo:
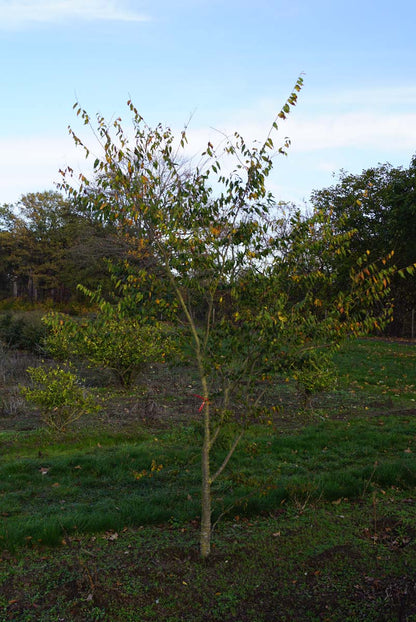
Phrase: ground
(309, 558)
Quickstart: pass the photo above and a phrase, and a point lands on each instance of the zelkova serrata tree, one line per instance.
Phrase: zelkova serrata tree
(250, 301)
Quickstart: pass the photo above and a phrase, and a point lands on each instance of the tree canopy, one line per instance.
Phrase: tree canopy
(48, 245)
(380, 204)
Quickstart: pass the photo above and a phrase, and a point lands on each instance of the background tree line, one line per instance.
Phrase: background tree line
(50, 243)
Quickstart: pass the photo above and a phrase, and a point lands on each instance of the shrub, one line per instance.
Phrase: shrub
(123, 345)
(24, 332)
(59, 396)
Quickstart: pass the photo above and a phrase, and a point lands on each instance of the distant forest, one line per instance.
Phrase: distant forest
(49, 244)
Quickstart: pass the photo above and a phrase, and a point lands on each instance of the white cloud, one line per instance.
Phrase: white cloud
(379, 97)
(356, 130)
(387, 120)
(21, 13)
(379, 118)
(376, 131)
(320, 144)
(32, 164)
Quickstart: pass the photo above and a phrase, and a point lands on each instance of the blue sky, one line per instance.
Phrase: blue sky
(231, 64)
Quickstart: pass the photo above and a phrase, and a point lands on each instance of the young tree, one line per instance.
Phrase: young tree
(249, 301)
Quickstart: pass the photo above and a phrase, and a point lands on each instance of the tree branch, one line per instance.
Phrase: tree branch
(227, 457)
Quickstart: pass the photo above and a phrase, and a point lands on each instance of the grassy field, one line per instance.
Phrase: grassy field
(315, 515)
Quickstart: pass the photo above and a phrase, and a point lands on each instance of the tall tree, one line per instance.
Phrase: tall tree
(7, 221)
(380, 203)
(48, 245)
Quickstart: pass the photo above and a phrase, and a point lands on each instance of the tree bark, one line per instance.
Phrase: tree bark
(205, 543)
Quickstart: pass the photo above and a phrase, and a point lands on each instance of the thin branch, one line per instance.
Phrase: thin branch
(227, 457)
(219, 426)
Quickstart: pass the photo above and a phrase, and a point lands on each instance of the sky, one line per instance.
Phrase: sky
(221, 65)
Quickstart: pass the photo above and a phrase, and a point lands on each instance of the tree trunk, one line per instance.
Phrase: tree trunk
(205, 543)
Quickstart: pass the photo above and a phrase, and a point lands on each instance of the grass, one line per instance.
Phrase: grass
(315, 513)
(380, 370)
(89, 488)
(344, 561)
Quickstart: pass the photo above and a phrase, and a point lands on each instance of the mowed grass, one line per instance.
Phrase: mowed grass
(156, 480)
(380, 369)
(314, 521)
(91, 482)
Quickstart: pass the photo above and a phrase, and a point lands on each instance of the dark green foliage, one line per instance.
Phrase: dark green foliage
(24, 331)
(48, 245)
(380, 203)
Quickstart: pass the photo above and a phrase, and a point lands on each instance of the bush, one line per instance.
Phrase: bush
(123, 345)
(315, 374)
(24, 331)
(59, 396)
